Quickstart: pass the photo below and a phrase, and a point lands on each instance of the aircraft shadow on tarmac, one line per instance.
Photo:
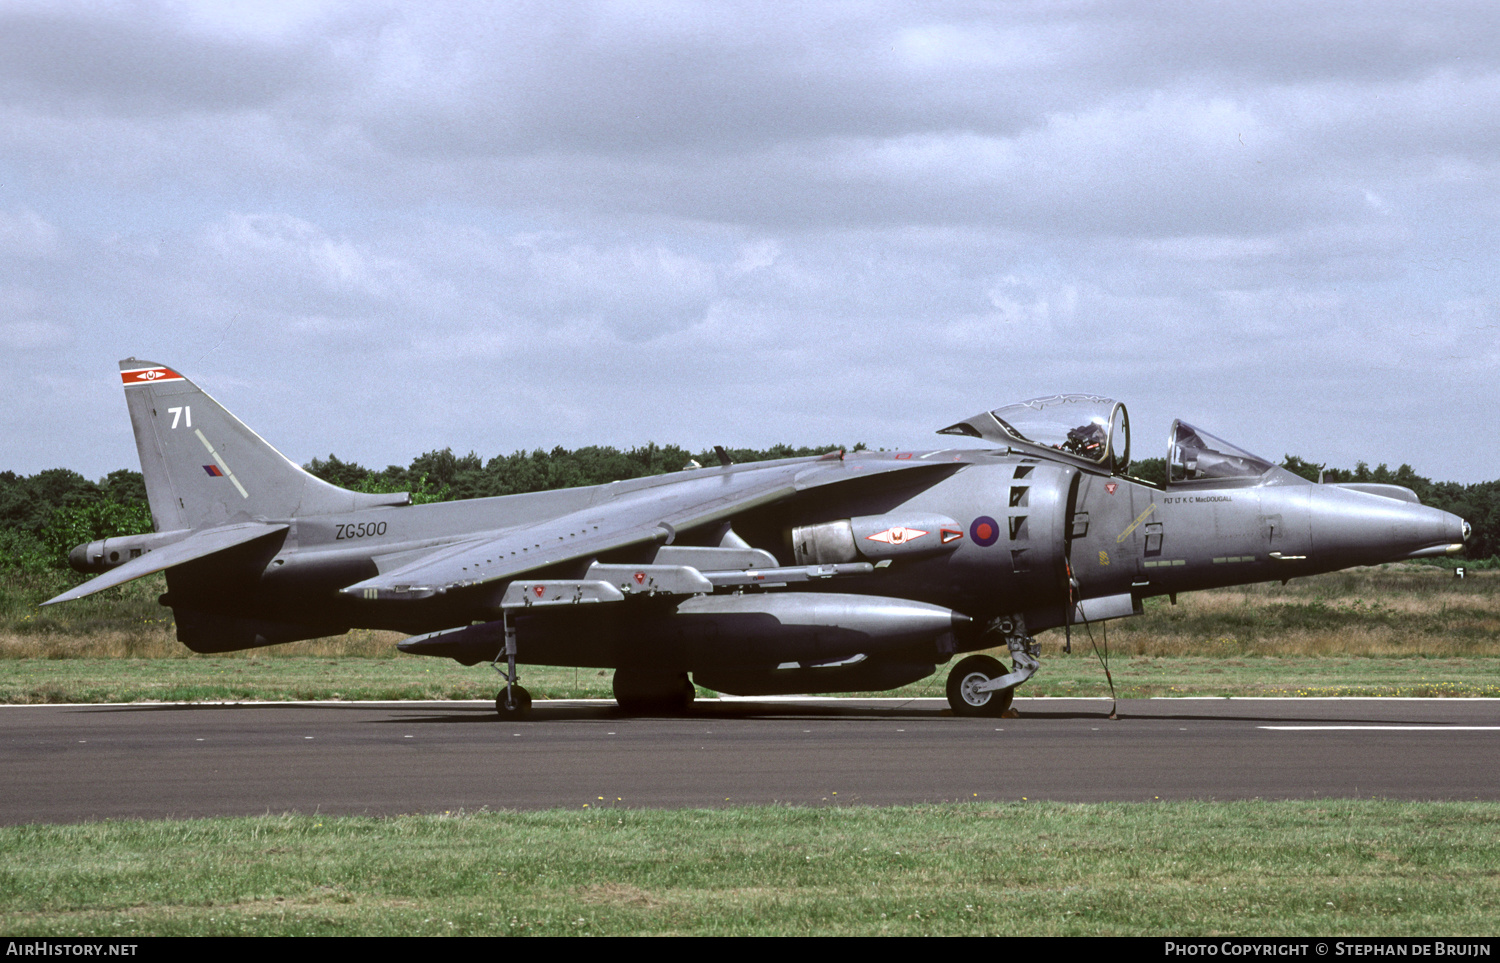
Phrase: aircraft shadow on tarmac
(565, 711)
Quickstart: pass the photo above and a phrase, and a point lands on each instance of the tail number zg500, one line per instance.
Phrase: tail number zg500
(361, 530)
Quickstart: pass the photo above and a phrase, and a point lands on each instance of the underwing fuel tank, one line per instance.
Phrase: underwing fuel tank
(718, 630)
(738, 629)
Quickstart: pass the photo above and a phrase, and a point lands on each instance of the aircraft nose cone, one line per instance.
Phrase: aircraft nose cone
(1361, 528)
(1455, 534)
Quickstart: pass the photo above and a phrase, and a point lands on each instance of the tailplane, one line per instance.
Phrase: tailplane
(204, 468)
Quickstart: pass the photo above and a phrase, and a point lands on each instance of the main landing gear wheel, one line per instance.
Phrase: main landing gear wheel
(520, 710)
(967, 676)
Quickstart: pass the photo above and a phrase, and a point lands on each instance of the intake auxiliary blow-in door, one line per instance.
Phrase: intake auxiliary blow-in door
(1034, 535)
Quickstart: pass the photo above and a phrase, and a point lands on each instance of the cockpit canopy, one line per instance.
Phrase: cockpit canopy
(1090, 428)
(1195, 455)
(1094, 432)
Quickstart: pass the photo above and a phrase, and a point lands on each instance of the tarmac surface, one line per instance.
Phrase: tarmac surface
(78, 763)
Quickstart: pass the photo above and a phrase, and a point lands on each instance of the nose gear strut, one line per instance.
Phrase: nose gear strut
(979, 686)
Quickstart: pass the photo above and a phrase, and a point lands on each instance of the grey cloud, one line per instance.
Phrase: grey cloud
(625, 80)
(501, 226)
(138, 58)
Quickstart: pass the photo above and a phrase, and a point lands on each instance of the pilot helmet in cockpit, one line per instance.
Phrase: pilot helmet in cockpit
(1087, 439)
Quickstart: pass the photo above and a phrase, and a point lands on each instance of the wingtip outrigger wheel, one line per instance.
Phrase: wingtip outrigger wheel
(513, 702)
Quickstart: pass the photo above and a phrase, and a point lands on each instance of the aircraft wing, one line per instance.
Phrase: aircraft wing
(195, 546)
(651, 514)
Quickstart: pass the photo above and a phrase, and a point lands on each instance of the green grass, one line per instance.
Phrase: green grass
(1370, 868)
(1399, 610)
(225, 679)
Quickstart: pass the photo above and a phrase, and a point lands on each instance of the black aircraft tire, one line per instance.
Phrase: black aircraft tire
(976, 670)
(645, 695)
(522, 708)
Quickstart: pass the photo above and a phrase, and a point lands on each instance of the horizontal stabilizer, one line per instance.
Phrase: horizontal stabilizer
(195, 546)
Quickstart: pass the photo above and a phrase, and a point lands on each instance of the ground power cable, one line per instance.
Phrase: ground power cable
(1074, 606)
(1104, 661)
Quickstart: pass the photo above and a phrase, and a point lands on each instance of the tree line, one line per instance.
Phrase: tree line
(43, 516)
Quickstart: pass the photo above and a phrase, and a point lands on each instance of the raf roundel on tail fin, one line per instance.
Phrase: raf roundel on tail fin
(204, 468)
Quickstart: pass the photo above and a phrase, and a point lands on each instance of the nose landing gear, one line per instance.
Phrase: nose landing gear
(966, 687)
(980, 686)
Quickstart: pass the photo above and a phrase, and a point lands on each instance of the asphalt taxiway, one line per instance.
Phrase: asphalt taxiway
(75, 763)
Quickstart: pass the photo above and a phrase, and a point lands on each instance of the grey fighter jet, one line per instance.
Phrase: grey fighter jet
(851, 571)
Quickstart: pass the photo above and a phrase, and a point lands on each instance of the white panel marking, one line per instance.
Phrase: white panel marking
(1427, 728)
(222, 467)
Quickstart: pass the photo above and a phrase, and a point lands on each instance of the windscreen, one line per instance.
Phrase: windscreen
(1195, 455)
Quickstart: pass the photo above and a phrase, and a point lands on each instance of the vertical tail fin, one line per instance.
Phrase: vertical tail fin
(203, 467)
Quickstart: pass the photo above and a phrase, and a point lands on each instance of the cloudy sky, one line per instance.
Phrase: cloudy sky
(378, 229)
